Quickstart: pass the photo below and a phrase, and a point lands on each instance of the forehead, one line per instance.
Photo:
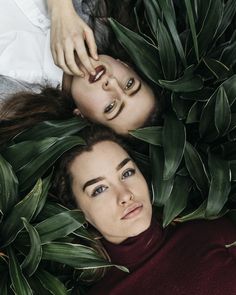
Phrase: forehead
(103, 158)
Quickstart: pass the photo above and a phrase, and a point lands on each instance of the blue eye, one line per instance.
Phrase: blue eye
(99, 190)
(128, 173)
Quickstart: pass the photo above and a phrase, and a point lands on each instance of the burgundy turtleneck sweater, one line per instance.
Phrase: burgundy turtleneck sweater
(185, 259)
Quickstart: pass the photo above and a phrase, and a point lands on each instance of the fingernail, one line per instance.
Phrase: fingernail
(93, 73)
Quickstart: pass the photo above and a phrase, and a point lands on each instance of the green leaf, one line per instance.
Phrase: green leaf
(161, 188)
(36, 167)
(25, 208)
(21, 153)
(8, 186)
(37, 286)
(60, 225)
(33, 259)
(196, 168)
(4, 283)
(192, 26)
(144, 54)
(54, 128)
(153, 13)
(228, 14)
(207, 127)
(181, 107)
(187, 83)
(152, 135)
(218, 69)
(220, 184)
(177, 200)
(46, 184)
(51, 283)
(19, 282)
(168, 12)
(233, 170)
(194, 113)
(222, 112)
(174, 138)
(230, 89)
(209, 25)
(199, 213)
(167, 52)
(75, 255)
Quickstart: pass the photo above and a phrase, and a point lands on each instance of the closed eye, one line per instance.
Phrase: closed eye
(127, 173)
(99, 190)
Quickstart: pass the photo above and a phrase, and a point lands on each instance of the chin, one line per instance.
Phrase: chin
(140, 227)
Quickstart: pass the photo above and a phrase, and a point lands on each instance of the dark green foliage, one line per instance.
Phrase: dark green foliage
(195, 56)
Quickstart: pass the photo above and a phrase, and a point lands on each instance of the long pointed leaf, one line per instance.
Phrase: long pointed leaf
(75, 255)
(19, 282)
(52, 129)
(152, 135)
(51, 283)
(187, 83)
(144, 54)
(33, 259)
(170, 20)
(196, 168)
(8, 186)
(177, 200)
(192, 26)
(35, 169)
(60, 225)
(174, 138)
(25, 208)
(220, 185)
(161, 188)
(167, 52)
(222, 112)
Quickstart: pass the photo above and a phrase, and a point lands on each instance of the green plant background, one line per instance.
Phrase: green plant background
(189, 53)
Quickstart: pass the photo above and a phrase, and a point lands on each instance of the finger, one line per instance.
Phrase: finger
(90, 40)
(84, 58)
(61, 62)
(70, 60)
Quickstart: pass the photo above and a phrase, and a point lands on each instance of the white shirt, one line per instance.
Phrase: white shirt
(25, 52)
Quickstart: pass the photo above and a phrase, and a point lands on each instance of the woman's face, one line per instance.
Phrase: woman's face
(111, 191)
(115, 97)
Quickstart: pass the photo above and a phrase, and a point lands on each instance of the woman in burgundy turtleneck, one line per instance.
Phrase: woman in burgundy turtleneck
(183, 259)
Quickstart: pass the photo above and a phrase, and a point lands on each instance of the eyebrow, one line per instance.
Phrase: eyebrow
(100, 178)
(119, 111)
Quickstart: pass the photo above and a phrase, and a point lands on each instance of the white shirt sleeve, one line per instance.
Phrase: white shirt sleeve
(25, 52)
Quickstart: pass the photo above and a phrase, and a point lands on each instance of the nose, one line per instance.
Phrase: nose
(124, 196)
(110, 83)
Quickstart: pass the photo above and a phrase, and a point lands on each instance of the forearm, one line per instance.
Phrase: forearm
(55, 6)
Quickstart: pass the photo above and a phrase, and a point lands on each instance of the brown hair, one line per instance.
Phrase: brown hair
(25, 109)
(62, 186)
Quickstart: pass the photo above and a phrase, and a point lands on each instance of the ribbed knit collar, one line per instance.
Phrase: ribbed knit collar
(135, 249)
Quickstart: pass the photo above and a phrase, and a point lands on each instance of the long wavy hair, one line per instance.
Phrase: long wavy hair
(25, 109)
(62, 187)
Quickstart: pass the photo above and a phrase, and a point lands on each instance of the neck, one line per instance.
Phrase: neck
(135, 248)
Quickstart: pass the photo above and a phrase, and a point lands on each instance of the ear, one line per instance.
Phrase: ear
(77, 112)
(66, 82)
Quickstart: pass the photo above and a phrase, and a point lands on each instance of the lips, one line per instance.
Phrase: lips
(132, 211)
(100, 71)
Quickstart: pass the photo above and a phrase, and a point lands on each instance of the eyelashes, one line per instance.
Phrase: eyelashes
(102, 188)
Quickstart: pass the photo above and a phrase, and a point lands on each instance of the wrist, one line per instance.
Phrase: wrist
(59, 5)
